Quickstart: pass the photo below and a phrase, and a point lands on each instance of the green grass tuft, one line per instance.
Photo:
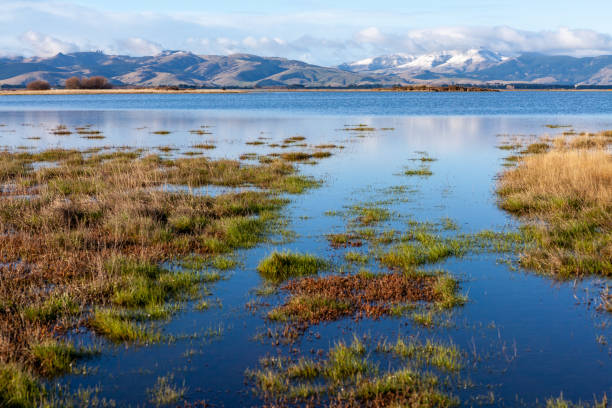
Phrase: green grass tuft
(165, 392)
(280, 266)
(117, 328)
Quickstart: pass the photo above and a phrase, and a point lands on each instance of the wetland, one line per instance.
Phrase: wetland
(306, 249)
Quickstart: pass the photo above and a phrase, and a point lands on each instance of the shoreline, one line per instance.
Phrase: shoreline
(135, 91)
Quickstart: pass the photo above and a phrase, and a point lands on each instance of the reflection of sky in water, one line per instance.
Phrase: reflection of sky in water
(555, 340)
(333, 103)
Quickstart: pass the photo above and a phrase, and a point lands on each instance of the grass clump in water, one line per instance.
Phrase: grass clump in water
(53, 308)
(422, 171)
(441, 356)
(356, 257)
(296, 156)
(369, 215)
(365, 295)
(406, 256)
(345, 376)
(295, 184)
(561, 402)
(118, 328)
(344, 240)
(165, 392)
(346, 362)
(55, 358)
(321, 155)
(280, 266)
(536, 148)
(205, 146)
(20, 389)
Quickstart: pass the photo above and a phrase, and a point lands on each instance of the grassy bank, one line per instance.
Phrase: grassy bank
(562, 188)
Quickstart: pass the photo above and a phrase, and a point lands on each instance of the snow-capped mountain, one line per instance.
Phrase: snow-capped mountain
(383, 63)
(446, 62)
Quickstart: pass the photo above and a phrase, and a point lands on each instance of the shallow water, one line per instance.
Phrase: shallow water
(526, 337)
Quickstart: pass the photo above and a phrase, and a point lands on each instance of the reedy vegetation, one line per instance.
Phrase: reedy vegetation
(348, 377)
(84, 241)
(563, 189)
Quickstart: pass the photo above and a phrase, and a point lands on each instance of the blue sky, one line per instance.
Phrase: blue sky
(322, 32)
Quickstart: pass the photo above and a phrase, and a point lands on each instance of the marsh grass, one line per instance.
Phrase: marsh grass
(362, 127)
(564, 193)
(536, 148)
(509, 146)
(344, 240)
(445, 357)
(89, 241)
(348, 376)
(166, 392)
(293, 139)
(116, 327)
(61, 130)
(296, 156)
(428, 243)
(55, 358)
(200, 132)
(370, 214)
(421, 171)
(425, 318)
(356, 257)
(561, 402)
(94, 137)
(314, 300)
(328, 146)
(280, 266)
(204, 146)
(606, 300)
(556, 126)
(20, 389)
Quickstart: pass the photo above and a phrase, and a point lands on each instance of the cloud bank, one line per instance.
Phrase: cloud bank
(37, 28)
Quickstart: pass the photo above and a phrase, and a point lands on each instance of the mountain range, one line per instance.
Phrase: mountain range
(180, 68)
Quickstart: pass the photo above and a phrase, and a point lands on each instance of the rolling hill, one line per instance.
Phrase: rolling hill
(181, 68)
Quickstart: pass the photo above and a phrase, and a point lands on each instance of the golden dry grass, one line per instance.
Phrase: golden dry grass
(566, 193)
(583, 175)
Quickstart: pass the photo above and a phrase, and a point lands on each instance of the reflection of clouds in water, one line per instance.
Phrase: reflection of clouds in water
(446, 134)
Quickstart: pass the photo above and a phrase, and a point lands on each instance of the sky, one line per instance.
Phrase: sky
(315, 31)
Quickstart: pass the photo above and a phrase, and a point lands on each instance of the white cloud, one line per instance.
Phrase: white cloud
(138, 47)
(370, 35)
(325, 37)
(503, 39)
(45, 45)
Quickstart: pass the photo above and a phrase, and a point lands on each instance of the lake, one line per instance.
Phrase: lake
(523, 337)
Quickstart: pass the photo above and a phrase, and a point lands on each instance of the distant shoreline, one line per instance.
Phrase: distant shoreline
(128, 91)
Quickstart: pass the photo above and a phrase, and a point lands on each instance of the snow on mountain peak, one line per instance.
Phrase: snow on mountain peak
(442, 62)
